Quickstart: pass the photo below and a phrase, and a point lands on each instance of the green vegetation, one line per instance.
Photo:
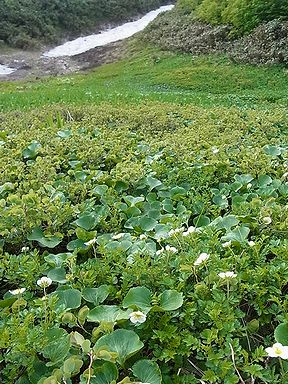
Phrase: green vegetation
(157, 76)
(244, 15)
(24, 23)
(143, 227)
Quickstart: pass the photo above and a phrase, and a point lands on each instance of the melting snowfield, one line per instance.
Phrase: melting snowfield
(83, 44)
(4, 70)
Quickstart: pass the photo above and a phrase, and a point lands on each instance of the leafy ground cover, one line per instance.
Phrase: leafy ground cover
(144, 238)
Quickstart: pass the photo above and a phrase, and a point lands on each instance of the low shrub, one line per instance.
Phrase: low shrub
(143, 243)
(243, 15)
(174, 32)
(266, 44)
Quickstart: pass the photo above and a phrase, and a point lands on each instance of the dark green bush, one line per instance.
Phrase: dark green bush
(44, 20)
(244, 15)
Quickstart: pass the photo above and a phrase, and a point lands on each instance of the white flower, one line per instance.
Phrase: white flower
(285, 175)
(24, 249)
(142, 237)
(189, 231)
(251, 243)
(44, 282)
(168, 248)
(249, 185)
(159, 252)
(267, 220)
(227, 275)
(201, 258)
(18, 291)
(137, 317)
(118, 236)
(227, 244)
(214, 150)
(277, 350)
(175, 231)
(90, 242)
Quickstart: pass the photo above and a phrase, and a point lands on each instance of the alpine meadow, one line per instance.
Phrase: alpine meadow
(144, 216)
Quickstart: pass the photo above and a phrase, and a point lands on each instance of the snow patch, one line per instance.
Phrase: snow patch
(83, 44)
(4, 70)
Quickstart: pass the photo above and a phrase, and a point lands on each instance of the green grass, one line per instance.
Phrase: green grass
(157, 76)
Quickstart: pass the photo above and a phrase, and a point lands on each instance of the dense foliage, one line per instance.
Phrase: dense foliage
(178, 31)
(244, 15)
(25, 22)
(145, 242)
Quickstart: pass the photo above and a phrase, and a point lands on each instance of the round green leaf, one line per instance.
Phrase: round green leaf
(96, 295)
(106, 374)
(31, 152)
(147, 372)
(58, 345)
(139, 297)
(201, 221)
(272, 150)
(100, 190)
(107, 313)
(244, 179)
(70, 298)
(57, 260)
(72, 365)
(132, 201)
(170, 300)
(49, 242)
(239, 235)
(226, 222)
(132, 223)
(120, 246)
(65, 134)
(125, 343)
(132, 212)
(147, 223)
(86, 221)
(281, 333)
(76, 244)
(264, 180)
(58, 275)
(220, 201)
(152, 182)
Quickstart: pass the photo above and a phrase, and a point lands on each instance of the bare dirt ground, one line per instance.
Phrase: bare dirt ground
(33, 65)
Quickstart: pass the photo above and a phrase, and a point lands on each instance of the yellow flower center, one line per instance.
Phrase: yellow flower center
(278, 351)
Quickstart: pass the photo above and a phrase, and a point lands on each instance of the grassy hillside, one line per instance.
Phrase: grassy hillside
(152, 196)
(154, 75)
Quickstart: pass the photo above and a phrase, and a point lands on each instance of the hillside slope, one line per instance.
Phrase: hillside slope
(27, 23)
(143, 226)
(266, 44)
